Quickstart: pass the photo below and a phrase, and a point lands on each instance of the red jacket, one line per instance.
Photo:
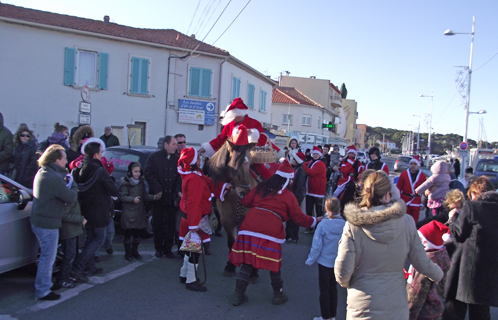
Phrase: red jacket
(265, 224)
(317, 178)
(196, 197)
(407, 186)
(350, 170)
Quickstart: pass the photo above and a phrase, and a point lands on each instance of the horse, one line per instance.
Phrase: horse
(231, 164)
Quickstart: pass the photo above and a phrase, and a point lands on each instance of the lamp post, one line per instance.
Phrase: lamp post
(430, 120)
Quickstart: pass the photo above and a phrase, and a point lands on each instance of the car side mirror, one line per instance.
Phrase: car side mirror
(22, 199)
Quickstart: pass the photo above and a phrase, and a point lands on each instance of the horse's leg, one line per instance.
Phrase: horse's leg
(230, 228)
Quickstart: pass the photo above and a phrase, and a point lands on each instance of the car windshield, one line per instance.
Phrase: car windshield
(487, 167)
(405, 159)
(120, 159)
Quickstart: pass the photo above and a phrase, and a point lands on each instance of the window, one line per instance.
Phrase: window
(200, 82)
(235, 87)
(287, 119)
(306, 120)
(139, 76)
(250, 96)
(319, 123)
(262, 106)
(85, 68)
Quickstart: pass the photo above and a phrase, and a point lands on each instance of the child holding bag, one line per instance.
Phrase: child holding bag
(324, 251)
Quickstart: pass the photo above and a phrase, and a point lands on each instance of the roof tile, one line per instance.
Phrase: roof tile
(293, 96)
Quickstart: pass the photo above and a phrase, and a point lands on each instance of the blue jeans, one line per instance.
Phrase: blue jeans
(109, 236)
(94, 239)
(69, 248)
(47, 238)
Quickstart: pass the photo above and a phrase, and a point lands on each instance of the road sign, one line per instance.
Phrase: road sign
(463, 153)
(463, 145)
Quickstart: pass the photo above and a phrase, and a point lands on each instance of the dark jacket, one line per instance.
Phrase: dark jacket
(71, 222)
(298, 187)
(162, 175)
(55, 138)
(6, 146)
(134, 215)
(110, 141)
(95, 189)
(51, 196)
(25, 164)
(473, 276)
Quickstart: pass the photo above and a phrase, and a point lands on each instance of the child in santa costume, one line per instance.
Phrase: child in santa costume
(408, 181)
(350, 169)
(196, 203)
(236, 114)
(259, 245)
(298, 188)
(316, 183)
(425, 298)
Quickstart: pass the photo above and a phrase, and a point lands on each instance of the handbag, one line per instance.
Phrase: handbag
(192, 242)
(205, 225)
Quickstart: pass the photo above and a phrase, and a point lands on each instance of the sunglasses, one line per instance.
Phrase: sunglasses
(181, 142)
(25, 135)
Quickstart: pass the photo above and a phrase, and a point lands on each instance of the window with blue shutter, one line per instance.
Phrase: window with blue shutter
(200, 82)
(250, 96)
(103, 63)
(69, 64)
(263, 101)
(139, 77)
(235, 87)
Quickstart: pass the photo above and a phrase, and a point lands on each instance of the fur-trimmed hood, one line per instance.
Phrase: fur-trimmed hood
(382, 223)
(488, 196)
(83, 132)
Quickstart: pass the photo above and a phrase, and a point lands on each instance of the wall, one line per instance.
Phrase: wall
(297, 111)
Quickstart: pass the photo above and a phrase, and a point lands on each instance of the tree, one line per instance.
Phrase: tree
(344, 91)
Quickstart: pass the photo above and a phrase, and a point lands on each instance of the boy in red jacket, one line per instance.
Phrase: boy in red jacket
(315, 184)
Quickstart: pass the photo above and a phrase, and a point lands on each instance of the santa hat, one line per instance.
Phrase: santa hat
(432, 235)
(351, 149)
(316, 150)
(90, 140)
(285, 171)
(188, 157)
(298, 156)
(236, 109)
(416, 159)
(241, 136)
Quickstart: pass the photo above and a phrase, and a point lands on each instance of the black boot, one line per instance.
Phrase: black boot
(128, 249)
(279, 296)
(239, 296)
(134, 252)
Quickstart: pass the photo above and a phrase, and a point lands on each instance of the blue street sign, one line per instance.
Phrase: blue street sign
(463, 145)
(196, 112)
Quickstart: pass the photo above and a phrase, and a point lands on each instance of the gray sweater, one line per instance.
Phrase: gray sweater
(50, 196)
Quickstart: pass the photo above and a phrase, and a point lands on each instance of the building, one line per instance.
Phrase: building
(361, 131)
(349, 115)
(386, 146)
(144, 83)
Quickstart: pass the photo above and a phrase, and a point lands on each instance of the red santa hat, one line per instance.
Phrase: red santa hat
(241, 136)
(433, 235)
(285, 171)
(236, 109)
(188, 157)
(298, 156)
(316, 150)
(90, 140)
(351, 149)
(416, 159)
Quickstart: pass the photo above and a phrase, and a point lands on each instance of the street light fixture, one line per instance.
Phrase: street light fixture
(430, 121)
(479, 112)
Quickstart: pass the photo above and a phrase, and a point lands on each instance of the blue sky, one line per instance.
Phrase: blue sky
(386, 52)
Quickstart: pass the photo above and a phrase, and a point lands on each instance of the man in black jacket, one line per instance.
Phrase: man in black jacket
(95, 189)
(166, 184)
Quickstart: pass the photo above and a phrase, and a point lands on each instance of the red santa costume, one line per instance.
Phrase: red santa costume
(236, 109)
(350, 170)
(407, 187)
(316, 171)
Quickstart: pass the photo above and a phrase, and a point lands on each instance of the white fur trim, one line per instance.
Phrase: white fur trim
(427, 244)
(180, 171)
(209, 151)
(352, 151)
(318, 152)
(253, 135)
(350, 161)
(193, 227)
(315, 222)
(223, 192)
(232, 114)
(446, 237)
(262, 236)
(196, 155)
(285, 174)
(416, 161)
(90, 140)
(295, 156)
(315, 195)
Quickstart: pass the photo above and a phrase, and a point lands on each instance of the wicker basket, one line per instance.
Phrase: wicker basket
(264, 154)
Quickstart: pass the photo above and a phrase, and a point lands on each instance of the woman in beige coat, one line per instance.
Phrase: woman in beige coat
(377, 239)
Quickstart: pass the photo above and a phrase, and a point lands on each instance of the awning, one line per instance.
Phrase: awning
(269, 134)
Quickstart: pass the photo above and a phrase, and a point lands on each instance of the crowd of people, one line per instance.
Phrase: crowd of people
(367, 233)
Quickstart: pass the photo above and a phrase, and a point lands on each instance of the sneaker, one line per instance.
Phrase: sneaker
(51, 296)
(78, 278)
(308, 230)
(109, 251)
(68, 284)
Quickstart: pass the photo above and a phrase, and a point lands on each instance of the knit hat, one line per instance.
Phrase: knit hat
(351, 149)
(335, 147)
(316, 150)
(432, 235)
(416, 159)
(188, 157)
(236, 109)
(285, 171)
(90, 140)
(298, 156)
(241, 136)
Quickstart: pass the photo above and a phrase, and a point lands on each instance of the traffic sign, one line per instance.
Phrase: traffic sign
(463, 145)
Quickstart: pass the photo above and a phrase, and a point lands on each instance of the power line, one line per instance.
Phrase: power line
(205, 25)
(202, 18)
(496, 54)
(446, 107)
(232, 22)
(218, 19)
(195, 12)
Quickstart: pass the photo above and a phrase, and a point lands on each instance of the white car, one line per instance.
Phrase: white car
(362, 156)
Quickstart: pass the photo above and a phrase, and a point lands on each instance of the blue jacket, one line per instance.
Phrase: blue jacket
(326, 242)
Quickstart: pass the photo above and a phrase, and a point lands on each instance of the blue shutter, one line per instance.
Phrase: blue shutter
(144, 76)
(250, 96)
(205, 83)
(263, 101)
(195, 79)
(238, 88)
(234, 88)
(139, 83)
(135, 74)
(69, 61)
(103, 65)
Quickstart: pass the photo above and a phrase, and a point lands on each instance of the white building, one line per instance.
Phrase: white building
(144, 83)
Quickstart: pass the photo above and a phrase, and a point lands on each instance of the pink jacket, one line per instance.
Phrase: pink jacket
(439, 183)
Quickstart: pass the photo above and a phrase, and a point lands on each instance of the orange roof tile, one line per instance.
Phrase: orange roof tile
(293, 96)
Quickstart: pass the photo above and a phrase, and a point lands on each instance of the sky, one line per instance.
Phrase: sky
(386, 52)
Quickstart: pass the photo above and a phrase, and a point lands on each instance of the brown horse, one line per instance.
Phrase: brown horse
(230, 164)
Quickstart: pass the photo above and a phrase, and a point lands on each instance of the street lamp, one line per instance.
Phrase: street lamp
(430, 121)
(479, 112)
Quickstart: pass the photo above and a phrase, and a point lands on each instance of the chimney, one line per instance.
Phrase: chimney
(192, 36)
(312, 77)
(106, 20)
